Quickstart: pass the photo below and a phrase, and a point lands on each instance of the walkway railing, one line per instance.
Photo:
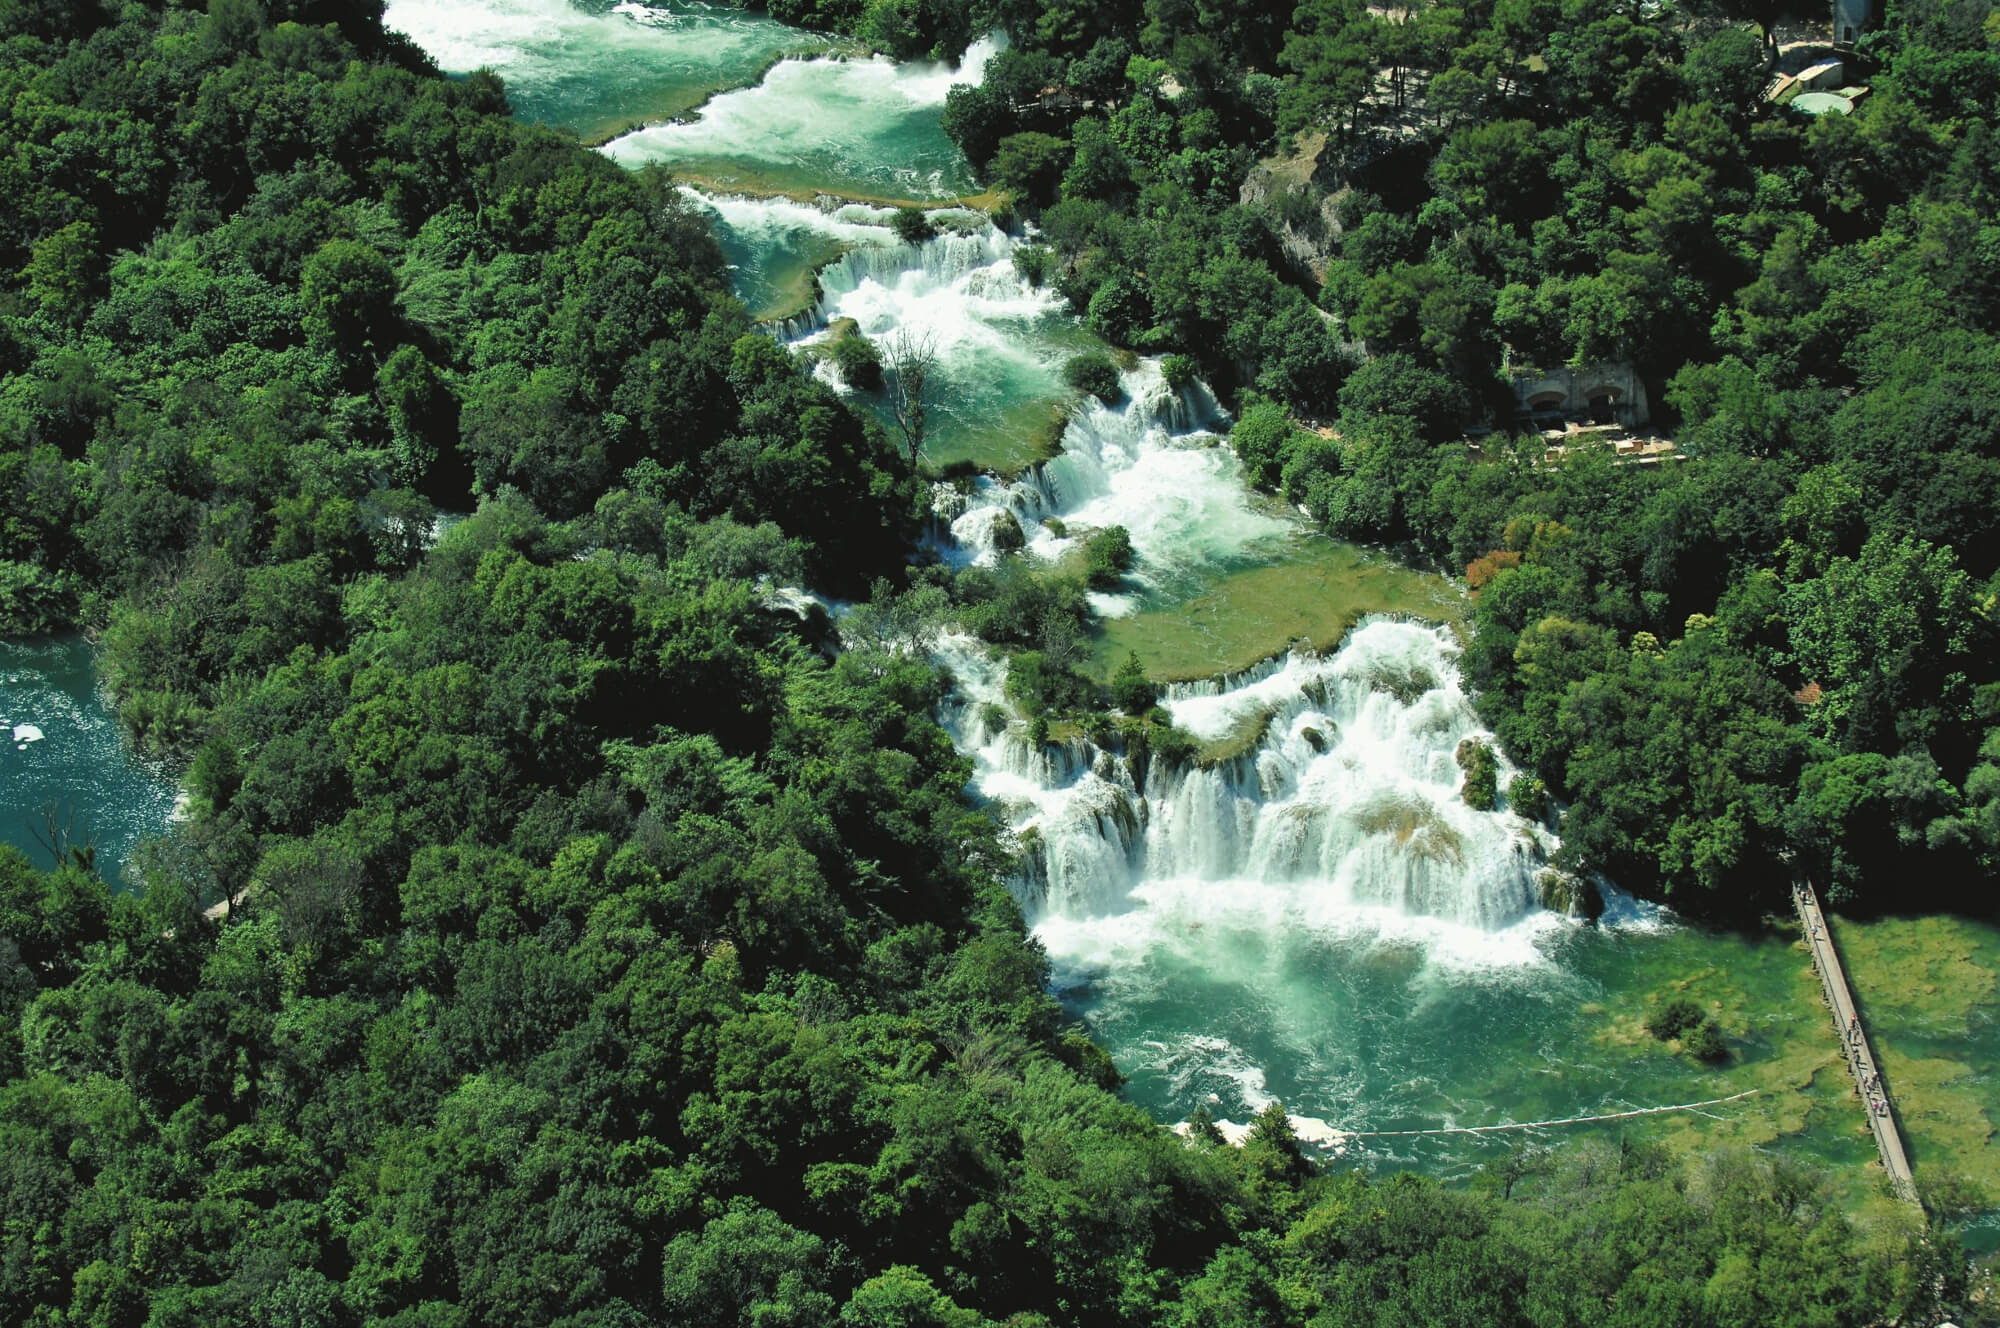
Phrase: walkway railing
(1854, 1042)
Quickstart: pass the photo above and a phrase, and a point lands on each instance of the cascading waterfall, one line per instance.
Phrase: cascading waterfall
(867, 126)
(597, 68)
(1331, 777)
(1000, 341)
(1331, 781)
(1311, 915)
(1325, 800)
(1152, 463)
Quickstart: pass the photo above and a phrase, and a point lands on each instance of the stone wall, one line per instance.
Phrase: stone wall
(1850, 20)
(1608, 392)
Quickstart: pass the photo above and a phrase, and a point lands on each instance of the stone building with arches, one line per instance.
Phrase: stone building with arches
(1608, 392)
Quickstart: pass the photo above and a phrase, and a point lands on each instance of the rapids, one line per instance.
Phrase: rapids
(1001, 342)
(863, 126)
(597, 68)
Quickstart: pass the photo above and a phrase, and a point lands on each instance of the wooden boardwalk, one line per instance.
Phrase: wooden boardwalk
(1854, 1041)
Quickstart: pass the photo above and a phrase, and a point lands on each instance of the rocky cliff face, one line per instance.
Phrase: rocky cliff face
(1303, 208)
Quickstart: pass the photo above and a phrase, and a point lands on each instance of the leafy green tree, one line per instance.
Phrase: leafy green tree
(1031, 163)
(1131, 690)
(912, 225)
(1095, 374)
(65, 270)
(347, 295)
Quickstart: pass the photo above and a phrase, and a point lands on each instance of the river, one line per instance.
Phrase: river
(1308, 913)
(64, 765)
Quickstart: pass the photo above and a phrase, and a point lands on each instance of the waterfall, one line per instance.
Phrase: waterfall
(866, 125)
(1330, 779)
(1152, 462)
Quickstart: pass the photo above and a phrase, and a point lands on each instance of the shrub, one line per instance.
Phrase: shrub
(1177, 747)
(1674, 1018)
(1008, 537)
(860, 364)
(1705, 1043)
(1107, 557)
(1032, 262)
(1012, 604)
(1039, 685)
(1482, 775)
(1131, 690)
(1178, 370)
(1528, 796)
(1094, 373)
(912, 225)
(1260, 437)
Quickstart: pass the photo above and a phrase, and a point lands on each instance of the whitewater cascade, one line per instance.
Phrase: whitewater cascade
(1151, 461)
(959, 287)
(1331, 787)
(867, 125)
(1333, 780)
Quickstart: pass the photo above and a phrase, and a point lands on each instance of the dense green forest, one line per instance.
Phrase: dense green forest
(606, 952)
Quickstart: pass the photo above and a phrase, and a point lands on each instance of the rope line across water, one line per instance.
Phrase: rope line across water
(1536, 1125)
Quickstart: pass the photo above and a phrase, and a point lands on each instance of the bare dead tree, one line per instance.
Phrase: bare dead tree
(316, 891)
(57, 837)
(911, 358)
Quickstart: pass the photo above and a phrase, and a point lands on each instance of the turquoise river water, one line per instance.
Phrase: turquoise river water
(63, 762)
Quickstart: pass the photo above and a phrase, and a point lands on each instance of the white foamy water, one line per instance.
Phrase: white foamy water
(586, 66)
(1152, 463)
(1340, 813)
(958, 293)
(1001, 343)
(763, 222)
(529, 42)
(866, 125)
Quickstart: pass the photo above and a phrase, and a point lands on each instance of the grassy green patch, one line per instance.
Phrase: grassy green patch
(1311, 594)
(1927, 988)
(1246, 736)
(1005, 441)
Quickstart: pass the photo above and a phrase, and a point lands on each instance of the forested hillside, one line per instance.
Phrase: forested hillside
(602, 952)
